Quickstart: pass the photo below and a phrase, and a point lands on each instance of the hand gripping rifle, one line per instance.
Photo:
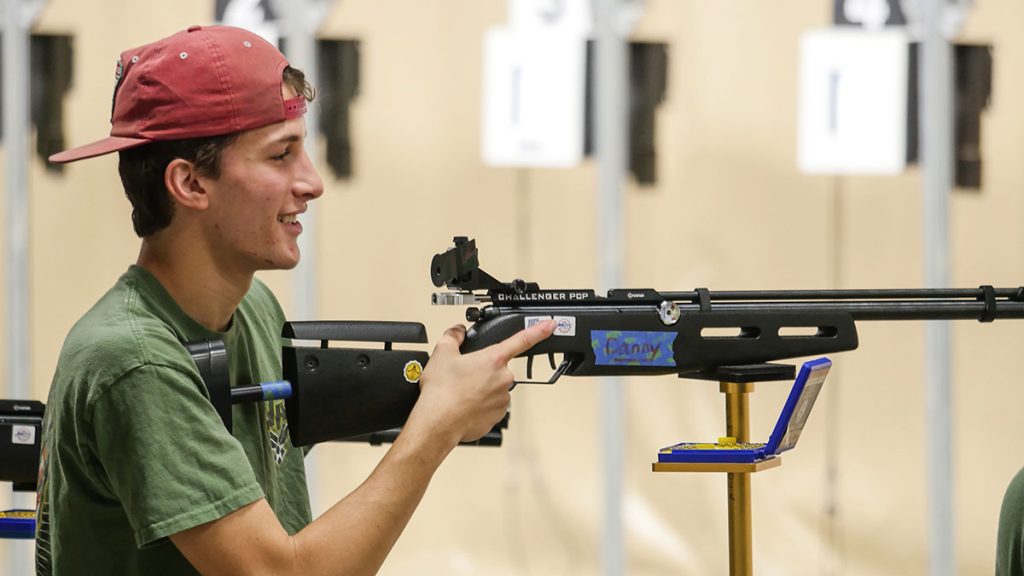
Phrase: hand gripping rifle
(696, 334)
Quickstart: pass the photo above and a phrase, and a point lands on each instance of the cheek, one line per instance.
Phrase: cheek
(246, 205)
(244, 222)
(247, 212)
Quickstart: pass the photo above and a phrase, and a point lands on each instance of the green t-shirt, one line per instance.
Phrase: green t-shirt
(1010, 538)
(133, 450)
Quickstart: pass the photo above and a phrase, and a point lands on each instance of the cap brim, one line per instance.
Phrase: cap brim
(98, 148)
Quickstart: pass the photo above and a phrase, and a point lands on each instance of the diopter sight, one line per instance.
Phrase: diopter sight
(458, 268)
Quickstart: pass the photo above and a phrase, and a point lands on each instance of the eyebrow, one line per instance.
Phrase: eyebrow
(283, 140)
(286, 139)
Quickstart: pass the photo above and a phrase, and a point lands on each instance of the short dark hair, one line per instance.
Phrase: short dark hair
(142, 169)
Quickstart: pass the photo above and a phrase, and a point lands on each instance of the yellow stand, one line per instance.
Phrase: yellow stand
(737, 425)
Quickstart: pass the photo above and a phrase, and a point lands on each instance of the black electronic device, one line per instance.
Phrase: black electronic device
(21, 434)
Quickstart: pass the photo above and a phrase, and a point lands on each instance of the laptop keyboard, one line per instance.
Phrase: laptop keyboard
(724, 443)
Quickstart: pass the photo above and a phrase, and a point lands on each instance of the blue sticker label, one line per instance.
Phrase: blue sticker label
(277, 390)
(629, 348)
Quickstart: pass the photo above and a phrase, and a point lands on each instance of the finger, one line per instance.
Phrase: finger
(452, 337)
(524, 340)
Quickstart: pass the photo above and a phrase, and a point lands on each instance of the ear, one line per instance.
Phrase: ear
(185, 186)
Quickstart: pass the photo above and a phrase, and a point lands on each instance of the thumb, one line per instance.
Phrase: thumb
(452, 338)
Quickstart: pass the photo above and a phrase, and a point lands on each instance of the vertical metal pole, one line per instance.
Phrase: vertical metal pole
(831, 563)
(737, 425)
(936, 89)
(610, 131)
(300, 34)
(15, 142)
(302, 19)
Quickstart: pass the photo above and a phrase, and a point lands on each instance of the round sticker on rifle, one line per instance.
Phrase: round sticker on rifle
(413, 370)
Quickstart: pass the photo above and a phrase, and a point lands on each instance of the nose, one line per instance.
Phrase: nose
(308, 184)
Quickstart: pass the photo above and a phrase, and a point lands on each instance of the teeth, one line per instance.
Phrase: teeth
(289, 219)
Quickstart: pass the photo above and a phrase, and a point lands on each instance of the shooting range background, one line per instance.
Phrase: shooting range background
(729, 211)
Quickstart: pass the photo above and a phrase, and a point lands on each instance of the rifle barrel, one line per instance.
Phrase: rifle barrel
(984, 303)
(878, 310)
(883, 294)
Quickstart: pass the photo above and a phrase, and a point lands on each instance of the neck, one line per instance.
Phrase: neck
(208, 293)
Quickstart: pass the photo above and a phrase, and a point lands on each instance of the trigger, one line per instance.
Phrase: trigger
(529, 367)
(551, 359)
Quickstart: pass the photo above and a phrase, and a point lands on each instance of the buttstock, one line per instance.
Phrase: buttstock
(340, 392)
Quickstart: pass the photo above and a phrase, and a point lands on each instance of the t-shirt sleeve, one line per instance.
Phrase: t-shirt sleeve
(167, 455)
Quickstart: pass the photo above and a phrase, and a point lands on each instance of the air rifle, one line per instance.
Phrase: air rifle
(357, 393)
(695, 334)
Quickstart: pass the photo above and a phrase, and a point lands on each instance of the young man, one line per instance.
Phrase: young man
(139, 475)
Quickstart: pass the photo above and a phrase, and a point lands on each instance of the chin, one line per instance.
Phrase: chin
(287, 263)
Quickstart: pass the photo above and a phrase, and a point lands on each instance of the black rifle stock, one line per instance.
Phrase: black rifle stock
(345, 392)
(343, 380)
(362, 391)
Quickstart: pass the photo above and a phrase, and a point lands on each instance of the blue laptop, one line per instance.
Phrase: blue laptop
(787, 430)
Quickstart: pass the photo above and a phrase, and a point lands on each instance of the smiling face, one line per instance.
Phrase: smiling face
(266, 181)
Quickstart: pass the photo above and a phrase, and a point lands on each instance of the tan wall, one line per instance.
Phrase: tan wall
(730, 211)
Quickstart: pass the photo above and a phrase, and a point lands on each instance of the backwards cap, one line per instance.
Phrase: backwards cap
(204, 81)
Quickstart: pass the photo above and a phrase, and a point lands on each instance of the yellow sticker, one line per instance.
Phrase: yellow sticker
(413, 370)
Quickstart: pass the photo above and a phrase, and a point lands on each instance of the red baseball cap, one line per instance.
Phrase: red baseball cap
(204, 81)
